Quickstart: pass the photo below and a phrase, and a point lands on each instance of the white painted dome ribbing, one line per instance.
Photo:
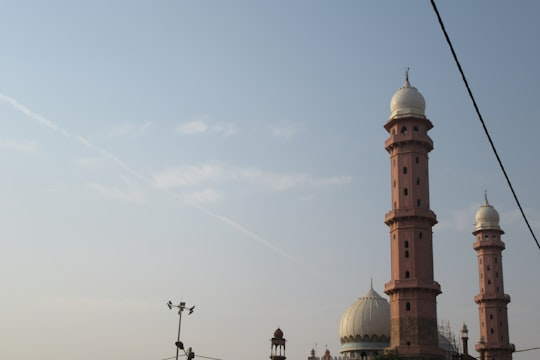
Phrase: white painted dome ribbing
(486, 217)
(369, 315)
(407, 101)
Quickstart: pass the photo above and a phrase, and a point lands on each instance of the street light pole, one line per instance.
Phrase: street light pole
(181, 307)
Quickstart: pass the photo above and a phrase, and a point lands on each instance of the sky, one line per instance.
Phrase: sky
(231, 155)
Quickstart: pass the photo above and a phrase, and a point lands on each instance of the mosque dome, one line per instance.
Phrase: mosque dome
(407, 101)
(278, 334)
(486, 217)
(365, 321)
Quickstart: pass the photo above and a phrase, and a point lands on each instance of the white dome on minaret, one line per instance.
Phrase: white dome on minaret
(486, 217)
(407, 101)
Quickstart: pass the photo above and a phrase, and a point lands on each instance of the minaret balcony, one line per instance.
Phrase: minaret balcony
(416, 212)
(409, 137)
(489, 243)
(412, 284)
(494, 347)
(492, 297)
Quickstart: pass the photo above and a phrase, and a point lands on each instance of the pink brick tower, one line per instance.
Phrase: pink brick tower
(412, 289)
(492, 301)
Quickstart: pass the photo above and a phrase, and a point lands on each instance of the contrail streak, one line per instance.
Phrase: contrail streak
(43, 121)
(257, 238)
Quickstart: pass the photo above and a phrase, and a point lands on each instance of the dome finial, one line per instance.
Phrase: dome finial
(407, 84)
(371, 283)
(486, 203)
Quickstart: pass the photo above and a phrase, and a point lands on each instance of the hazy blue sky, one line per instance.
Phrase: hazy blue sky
(231, 154)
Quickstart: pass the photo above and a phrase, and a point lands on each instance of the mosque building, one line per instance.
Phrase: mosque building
(407, 324)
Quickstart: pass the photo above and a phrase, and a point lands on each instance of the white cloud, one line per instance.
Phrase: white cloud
(224, 129)
(128, 128)
(131, 193)
(460, 219)
(28, 147)
(201, 126)
(206, 196)
(514, 217)
(212, 174)
(336, 180)
(187, 175)
(273, 181)
(283, 130)
(192, 127)
(89, 162)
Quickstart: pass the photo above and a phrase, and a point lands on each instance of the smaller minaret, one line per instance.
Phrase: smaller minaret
(327, 355)
(492, 301)
(465, 340)
(277, 351)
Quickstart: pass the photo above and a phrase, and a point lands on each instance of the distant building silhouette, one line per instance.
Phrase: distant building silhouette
(277, 351)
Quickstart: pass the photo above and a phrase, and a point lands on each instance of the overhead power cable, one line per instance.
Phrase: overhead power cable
(482, 121)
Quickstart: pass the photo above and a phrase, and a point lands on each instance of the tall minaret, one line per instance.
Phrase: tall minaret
(412, 289)
(492, 301)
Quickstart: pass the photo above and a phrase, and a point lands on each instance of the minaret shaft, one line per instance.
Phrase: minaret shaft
(492, 301)
(412, 289)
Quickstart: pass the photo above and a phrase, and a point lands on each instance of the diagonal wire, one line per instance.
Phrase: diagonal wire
(482, 121)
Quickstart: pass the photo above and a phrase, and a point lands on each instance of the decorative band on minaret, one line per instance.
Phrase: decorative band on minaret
(412, 289)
